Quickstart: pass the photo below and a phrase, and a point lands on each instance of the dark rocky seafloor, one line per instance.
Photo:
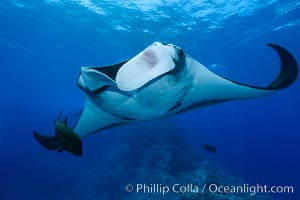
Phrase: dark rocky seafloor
(158, 153)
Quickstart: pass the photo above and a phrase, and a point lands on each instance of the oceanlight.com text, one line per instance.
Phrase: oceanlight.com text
(156, 188)
(248, 189)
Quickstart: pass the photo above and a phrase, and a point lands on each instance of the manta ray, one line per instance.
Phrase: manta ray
(160, 81)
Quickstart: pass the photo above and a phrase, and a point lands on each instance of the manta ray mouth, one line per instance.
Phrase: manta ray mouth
(111, 70)
(92, 79)
(134, 73)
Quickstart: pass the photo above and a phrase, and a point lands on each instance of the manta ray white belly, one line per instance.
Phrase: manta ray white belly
(158, 82)
(162, 81)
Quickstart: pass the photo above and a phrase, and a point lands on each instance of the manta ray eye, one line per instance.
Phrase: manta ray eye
(150, 57)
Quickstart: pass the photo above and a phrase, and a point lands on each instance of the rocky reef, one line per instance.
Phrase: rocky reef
(159, 163)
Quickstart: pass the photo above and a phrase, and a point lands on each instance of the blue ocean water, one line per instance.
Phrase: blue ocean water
(44, 43)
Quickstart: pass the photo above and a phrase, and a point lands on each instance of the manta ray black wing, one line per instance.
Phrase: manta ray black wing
(289, 69)
(48, 142)
(288, 72)
(210, 88)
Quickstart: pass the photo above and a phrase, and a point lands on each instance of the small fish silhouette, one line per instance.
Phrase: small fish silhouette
(209, 147)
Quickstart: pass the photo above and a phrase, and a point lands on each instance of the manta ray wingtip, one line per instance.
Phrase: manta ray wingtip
(289, 68)
(68, 142)
(65, 138)
(48, 142)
